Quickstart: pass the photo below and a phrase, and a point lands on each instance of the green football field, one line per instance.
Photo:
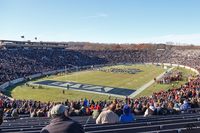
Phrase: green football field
(120, 80)
(95, 77)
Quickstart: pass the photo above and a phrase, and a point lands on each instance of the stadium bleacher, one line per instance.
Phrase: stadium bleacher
(158, 124)
(45, 61)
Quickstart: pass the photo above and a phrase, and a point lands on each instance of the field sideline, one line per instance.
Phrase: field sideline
(122, 80)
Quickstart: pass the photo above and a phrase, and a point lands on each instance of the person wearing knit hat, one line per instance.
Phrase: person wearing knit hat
(127, 116)
(60, 123)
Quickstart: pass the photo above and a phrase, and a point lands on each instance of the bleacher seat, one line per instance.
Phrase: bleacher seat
(182, 123)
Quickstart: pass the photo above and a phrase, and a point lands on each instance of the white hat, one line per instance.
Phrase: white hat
(58, 109)
(152, 108)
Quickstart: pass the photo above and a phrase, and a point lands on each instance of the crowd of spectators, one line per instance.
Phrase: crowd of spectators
(21, 62)
(182, 56)
(169, 77)
(173, 101)
(121, 56)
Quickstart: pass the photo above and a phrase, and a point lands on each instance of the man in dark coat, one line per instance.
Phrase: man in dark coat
(61, 123)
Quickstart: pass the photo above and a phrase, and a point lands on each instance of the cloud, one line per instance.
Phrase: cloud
(99, 15)
(176, 38)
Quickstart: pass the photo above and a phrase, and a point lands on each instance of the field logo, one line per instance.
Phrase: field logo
(87, 87)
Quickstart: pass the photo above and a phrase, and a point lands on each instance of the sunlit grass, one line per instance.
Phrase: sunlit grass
(158, 87)
(131, 81)
(121, 80)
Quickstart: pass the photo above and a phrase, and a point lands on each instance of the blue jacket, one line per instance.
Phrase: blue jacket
(126, 118)
(185, 106)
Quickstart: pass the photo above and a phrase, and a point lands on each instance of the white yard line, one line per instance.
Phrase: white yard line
(145, 86)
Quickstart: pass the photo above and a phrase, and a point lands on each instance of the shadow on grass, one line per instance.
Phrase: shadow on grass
(9, 90)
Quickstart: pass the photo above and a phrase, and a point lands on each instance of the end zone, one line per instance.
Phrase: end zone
(107, 90)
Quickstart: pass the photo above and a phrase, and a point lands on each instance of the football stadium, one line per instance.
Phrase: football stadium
(32, 83)
(131, 67)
